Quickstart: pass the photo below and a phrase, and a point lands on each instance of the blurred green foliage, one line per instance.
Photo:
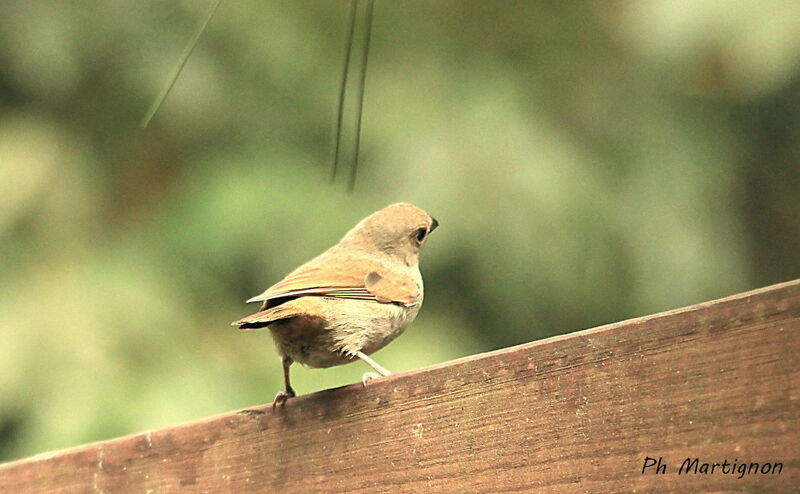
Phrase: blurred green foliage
(588, 162)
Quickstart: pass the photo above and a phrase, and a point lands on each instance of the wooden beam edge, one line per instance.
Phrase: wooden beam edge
(791, 288)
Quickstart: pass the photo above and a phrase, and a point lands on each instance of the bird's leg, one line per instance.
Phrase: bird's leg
(371, 375)
(288, 392)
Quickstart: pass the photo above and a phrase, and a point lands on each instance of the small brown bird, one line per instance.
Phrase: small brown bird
(351, 300)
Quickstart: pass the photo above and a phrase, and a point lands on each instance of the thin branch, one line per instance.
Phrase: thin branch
(360, 93)
(181, 63)
(343, 85)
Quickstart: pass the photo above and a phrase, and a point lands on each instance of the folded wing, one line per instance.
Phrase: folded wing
(305, 307)
(357, 280)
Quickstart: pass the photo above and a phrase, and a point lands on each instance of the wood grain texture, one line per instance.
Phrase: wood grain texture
(575, 413)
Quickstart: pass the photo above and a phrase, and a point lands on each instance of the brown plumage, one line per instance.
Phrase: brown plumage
(351, 300)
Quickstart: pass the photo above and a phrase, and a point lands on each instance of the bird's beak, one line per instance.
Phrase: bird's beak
(434, 224)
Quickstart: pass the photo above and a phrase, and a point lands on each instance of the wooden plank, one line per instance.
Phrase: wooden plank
(575, 413)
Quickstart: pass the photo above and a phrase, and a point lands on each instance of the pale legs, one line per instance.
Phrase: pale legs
(370, 375)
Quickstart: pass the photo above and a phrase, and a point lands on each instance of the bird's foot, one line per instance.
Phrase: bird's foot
(368, 376)
(281, 397)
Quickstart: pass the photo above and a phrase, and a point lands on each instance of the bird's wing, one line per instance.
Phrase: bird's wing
(360, 280)
(306, 307)
(392, 288)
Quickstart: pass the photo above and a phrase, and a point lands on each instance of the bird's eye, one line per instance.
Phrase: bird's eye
(420, 234)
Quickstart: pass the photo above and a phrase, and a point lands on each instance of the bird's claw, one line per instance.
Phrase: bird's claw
(367, 376)
(281, 397)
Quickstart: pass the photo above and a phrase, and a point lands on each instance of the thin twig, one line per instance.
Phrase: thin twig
(360, 93)
(181, 63)
(343, 86)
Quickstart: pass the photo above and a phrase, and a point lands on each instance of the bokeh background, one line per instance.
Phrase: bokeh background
(588, 162)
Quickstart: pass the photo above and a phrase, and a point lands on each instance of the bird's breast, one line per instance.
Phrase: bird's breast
(346, 327)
